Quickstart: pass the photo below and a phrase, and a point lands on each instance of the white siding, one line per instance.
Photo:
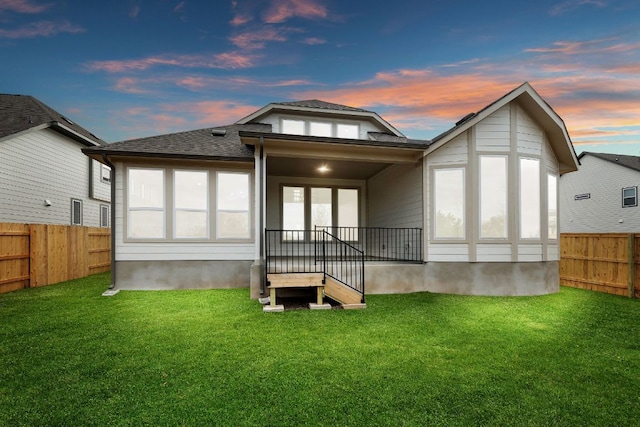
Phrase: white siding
(530, 135)
(395, 197)
(494, 132)
(603, 211)
(493, 252)
(43, 165)
(553, 252)
(455, 151)
(530, 252)
(449, 252)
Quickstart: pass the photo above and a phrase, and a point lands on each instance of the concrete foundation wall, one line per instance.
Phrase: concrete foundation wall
(164, 275)
(480, 278)
(490, 278)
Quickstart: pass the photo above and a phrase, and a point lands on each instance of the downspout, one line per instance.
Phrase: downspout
(105, 158)
(262, 208)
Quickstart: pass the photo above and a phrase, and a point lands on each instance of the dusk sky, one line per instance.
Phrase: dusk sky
(134, 68)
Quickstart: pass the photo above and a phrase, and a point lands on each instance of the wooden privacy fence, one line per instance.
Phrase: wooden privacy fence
(33, 255)
(601, 262)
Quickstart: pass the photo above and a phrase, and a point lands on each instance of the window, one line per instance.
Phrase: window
(233, 217)
(347, 131)
(629, 197)
(319, 129)
(529, 198)
(304, 208)
(449, 204)
(293, 127)
(552, 205)
(493, 197)
(104, 216)
(105, 173)
(191, 202)
(146, 203)
(181, 204)
(76, 212)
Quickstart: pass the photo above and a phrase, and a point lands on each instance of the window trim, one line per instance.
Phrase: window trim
(521, 196)
(507, 227)
(218, 210)
(635, 197)
(176, 209)
(74, 220)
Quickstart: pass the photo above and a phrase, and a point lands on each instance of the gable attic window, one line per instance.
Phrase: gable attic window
(320, 128)
(347, 131)
(629, 197)
(293, 127)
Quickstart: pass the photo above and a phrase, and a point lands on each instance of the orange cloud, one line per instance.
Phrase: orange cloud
(228, 61)
(281, 10)
(23, 6)
(40, 29)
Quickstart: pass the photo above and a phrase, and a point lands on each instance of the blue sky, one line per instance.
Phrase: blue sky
(134, 68)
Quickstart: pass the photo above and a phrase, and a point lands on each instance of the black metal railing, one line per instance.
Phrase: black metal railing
(314, 251)
(380, 243)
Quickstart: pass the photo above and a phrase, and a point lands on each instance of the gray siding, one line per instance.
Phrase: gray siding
(395, 197)
(44, 165)
(603, 211)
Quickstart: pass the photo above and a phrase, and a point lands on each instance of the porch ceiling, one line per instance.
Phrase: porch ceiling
(308, 168)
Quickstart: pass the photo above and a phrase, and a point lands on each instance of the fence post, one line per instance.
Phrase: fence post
(632, 264)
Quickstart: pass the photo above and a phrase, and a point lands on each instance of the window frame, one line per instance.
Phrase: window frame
(74, 220)
(176, 209)
(105, 173)
(105, 219)
(522, 206)
(434, 207)
(505, 157)
(218, 210)
(307, 123)
(635, 197)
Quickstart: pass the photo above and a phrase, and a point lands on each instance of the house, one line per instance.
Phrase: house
(602, 197)
(304, 187)
(44, 176)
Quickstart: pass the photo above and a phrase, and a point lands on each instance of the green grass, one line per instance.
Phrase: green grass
(72, 357)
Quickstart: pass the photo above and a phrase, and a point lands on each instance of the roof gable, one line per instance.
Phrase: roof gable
(315, 106)
(539, 110)
(631, 162)
(23, 113)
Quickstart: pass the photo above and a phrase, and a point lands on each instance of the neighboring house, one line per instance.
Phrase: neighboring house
(602, 197)
(473, 211)
(44, 176)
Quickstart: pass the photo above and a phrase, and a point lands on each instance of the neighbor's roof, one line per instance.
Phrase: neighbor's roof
(632, 162)
(218, 143)
(23, 113)
(541, 112)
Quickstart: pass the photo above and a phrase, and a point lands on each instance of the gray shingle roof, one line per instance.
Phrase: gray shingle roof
(632, 162)
(205, 143)
(386, 137)
(19, 113)
(316, 103)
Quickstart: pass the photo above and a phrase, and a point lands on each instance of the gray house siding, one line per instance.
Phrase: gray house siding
(44, 165)
(598, 207)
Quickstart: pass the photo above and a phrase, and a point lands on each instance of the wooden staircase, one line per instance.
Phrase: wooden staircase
(347, 297)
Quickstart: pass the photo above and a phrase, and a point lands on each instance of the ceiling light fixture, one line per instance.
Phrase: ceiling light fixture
(324, 169)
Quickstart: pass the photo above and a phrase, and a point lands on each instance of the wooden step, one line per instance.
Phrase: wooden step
(295, 280)
(341, 293)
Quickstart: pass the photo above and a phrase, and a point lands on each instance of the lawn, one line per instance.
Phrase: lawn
(72, 357)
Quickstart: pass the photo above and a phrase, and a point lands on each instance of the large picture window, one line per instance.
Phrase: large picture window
(493, 197)
(529, 198)
(176, 204)
(449, 203)
(146, 204)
